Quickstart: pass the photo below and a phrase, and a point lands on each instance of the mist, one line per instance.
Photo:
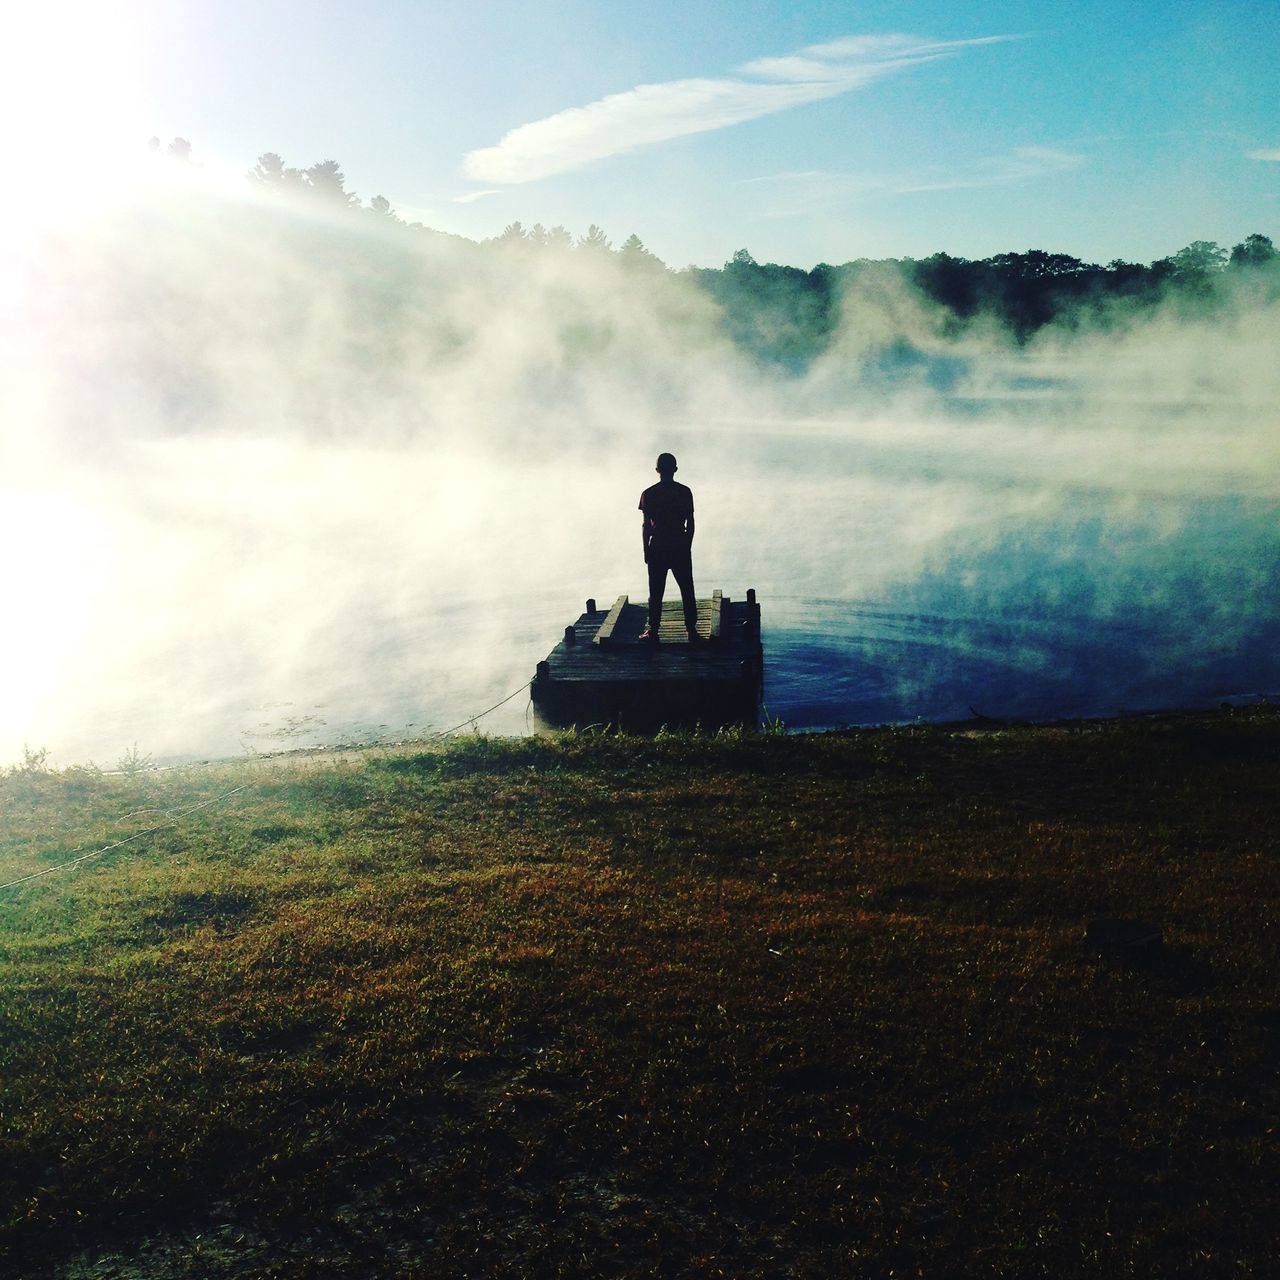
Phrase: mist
(274, 477)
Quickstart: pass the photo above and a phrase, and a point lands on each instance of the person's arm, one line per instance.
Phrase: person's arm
(688, 524)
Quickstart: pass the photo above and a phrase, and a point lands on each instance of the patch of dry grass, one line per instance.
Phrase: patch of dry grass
(780, 1006)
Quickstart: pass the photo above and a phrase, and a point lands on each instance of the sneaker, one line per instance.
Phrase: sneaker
(648, 637)
(695, 638)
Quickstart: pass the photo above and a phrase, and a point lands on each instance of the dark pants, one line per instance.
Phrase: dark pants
(680, 563)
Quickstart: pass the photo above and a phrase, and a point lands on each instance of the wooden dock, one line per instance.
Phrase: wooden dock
(603, 674)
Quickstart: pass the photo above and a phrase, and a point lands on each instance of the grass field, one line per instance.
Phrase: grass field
(810, 1006)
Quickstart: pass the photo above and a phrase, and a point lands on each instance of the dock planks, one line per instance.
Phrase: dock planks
(601, 673)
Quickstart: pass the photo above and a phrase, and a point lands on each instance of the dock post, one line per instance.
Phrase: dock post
(591, 604)
(543, 671)
(604, 633)
(570, 635)
(751, 595)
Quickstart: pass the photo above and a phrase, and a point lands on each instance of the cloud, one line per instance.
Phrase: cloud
(812, 187)
(653, 113)
(1018, 165)
(1265, 153)
(826, 61)
(472, 196)
(648, 114)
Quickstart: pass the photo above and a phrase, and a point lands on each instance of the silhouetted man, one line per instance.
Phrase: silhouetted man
(668, 538)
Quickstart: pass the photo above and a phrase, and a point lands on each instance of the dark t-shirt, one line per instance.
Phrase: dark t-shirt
(668, 508)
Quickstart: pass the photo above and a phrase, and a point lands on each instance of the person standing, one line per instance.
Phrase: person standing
(667, 530)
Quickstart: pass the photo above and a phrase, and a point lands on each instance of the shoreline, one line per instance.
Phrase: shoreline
(978, 721)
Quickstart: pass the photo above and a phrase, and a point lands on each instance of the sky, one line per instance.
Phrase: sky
(805, 132)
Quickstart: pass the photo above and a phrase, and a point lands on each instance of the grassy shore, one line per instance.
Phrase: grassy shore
(782, 1006)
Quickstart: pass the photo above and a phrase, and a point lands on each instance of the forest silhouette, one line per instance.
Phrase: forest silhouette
(784, 316)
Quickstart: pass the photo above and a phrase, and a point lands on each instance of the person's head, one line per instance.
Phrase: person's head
(666, 465)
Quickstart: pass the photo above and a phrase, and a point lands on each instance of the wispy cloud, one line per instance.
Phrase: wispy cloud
(471, 196)
(810, 187)
(653, 113)
(1018, 165)
(1264, 153)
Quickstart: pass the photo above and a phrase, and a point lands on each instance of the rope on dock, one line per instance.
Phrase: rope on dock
(444, 733)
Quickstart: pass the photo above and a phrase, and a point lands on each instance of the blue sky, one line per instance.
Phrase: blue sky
(805, 132)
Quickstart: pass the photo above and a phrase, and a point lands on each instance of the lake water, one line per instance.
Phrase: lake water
(846, 664)
(828, 663)
(201, 599)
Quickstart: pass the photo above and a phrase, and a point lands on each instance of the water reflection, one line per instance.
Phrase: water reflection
(830, 664)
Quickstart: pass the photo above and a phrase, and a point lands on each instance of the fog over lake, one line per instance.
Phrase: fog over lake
(266, 482)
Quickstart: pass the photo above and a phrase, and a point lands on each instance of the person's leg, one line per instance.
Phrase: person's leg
(683, 574)
(657, 589)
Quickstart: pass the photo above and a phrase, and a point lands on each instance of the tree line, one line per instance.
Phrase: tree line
(785, 315)
(782, 312)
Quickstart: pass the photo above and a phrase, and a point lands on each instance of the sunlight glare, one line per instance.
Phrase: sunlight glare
(70, 105)
(47, 580)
